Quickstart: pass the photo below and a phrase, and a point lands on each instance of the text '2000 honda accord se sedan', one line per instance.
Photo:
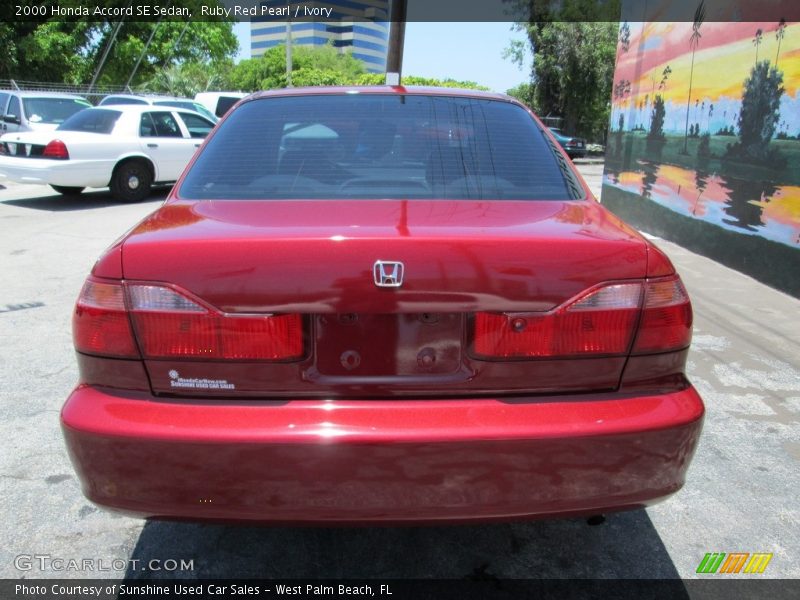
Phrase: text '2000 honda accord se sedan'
(381, 305)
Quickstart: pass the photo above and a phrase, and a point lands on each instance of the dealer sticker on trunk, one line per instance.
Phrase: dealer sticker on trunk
(177, 381)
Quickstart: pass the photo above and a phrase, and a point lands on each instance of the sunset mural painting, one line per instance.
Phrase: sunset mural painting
(704, 146)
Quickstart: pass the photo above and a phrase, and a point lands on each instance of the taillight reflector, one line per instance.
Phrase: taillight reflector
(170, 325)
(275, 337)
(601, 322)
(100, 323)
(56, 149)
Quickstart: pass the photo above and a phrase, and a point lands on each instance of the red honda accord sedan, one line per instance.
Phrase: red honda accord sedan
(381, 305)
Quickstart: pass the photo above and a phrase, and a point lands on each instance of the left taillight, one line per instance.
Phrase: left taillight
(169, 324)
(56, 149)
(110, 318)
(100, 324)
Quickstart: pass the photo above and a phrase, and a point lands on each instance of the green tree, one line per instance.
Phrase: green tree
(574, 50)
(433, 82)
(525, 93)
(573, 71)
(189, 78)
(70, 51)
(760, 113)
(657, 119)
(379, 78)
(317, 65)
(51, 51)
(257, 73)
(311, 65)
(311, 76)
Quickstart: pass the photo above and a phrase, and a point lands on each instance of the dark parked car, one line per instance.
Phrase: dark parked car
(381, 305)
(575, 147)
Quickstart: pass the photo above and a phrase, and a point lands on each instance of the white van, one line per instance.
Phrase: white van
(219, 102)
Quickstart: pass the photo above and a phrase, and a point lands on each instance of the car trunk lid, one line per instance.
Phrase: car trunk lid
(317, 259)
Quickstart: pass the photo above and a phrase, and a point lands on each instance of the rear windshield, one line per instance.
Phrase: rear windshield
(187, 104)
(224, 104)
(99, 120)
(379, 146)
(52, 110)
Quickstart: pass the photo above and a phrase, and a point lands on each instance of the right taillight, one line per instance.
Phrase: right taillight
(169, 324)
(599, 322)
(666, 322)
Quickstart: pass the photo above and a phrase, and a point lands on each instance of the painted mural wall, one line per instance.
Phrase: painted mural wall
(704, 145)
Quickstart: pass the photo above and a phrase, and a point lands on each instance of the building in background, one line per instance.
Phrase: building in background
(360, 27)
(704, 146)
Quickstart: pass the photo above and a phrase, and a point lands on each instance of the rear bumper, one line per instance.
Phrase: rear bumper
(68, 173)
(379, 461)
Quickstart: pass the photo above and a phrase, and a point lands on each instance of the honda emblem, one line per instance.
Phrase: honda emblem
(387, 273)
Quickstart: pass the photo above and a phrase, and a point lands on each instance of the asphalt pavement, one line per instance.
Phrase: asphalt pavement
(741, 493)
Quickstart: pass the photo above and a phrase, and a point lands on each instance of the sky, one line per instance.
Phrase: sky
(463, 51)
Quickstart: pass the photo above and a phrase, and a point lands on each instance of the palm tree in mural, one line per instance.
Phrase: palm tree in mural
(757, 41)
(664, 76)
(696, 104)
(779, 33)
(699, 17)
(625, 36)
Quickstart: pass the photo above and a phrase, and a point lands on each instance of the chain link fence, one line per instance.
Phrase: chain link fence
(92, 93)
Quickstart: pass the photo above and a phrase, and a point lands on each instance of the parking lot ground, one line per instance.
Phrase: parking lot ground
(740, 496)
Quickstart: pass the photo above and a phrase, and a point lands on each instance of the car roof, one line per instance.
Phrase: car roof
(382, 89)
(146, 97)
(34, 94)
(173, 99)
(218, 94)
(139, 108)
